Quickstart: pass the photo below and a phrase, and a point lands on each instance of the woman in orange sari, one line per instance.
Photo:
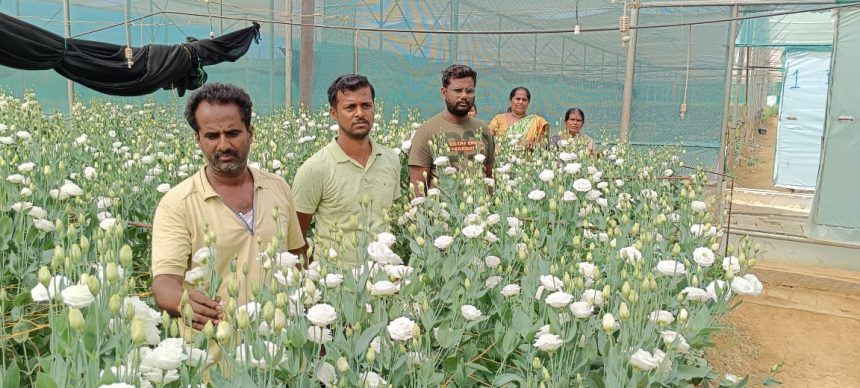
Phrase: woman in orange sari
(518, 126)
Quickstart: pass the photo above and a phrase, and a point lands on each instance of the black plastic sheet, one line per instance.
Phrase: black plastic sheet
(103, 66)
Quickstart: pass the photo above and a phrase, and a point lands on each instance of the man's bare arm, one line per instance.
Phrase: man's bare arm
(419, 177)
(167, 290)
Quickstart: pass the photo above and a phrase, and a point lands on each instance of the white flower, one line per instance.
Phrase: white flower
(587, 269)
(399, 271)
(69, 189)
(332, 280)
(644, 360)
(568, 196)
(675, 341)
(16, 178)
(443, 242)
(671, 268)
(202, 256)
(492, 261)
(77, 296)
(196, 275)
(698, 206)
(548, 342)
(321, 314)
(510, 290)
(386, 238)
(480, 158)
(276, 164)
(573, 168)
(384, 288)
(592, 195)
(44, 225)
(581, 310)
(551, 283)
(582, 185)
(630, 254)
(163, 188)
(26, 167)
(26, 192)
(559, 299)
(566, 156)
(326, 375)
(704, 256)
(731, 264)
(401, 329)
(470, 312)
(695, 294)
(23, 135)
(536, 195)
(319, 335)
(493, 281)
(718, 286)
(7, 140)
(252, 308)
(546, 175)
(381, 253)
(107, 223)
(661, 317)
(747, 285)
(441, 161)
(21, 206)
(166, 356)
(592, 296)
(372, 380)
(472, 231)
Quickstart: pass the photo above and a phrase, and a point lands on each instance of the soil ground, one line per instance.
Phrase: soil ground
(813, 326)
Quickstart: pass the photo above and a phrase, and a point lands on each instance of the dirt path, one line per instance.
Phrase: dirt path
(816, 332)
(755, 167)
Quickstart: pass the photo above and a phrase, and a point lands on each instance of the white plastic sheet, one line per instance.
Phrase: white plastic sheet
(801, 122)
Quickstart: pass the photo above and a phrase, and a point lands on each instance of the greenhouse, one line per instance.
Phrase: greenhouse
(457, 193)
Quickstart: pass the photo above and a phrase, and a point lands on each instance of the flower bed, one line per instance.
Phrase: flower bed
(579, 270)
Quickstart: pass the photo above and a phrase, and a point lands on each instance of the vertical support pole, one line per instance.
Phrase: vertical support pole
(627, 104)
(221, 18)
(534, 54)
(288, 57)
(562, 55)
(381, 23)
(454, 39)
(271, 56)
(355, 52)
(730, 61)
(70, 86)
(499, 46)
(306, 65)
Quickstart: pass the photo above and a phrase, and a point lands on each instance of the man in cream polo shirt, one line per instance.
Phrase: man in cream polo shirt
(234, 203)
(348, 185)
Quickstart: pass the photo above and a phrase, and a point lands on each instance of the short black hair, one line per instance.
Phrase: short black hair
(219, 93)
(518, 88)
(348, 82)
(572, 111)
(457, 72)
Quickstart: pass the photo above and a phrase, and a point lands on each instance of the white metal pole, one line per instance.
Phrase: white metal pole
(70, 86)
(288, 58)
(626, 107)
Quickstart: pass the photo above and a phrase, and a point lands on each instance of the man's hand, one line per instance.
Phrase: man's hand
(167, 290)
(205, 309)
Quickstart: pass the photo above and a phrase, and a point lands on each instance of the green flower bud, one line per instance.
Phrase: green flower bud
(243, 320)
(125, 256)
(342, 364)
(224, 332)
(44, 276)
(536, 363)
(209, 329)
(371, 355)
(76, 320)
(115, 304)
(138, 332)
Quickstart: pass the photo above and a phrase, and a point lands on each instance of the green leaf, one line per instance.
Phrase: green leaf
(522, 323)
(45, 381)
(508, 378)
(12, 375)
(22, 299)
(478, 367)
(451, 364)
(688, 372)
(769, 381)
(365, 338)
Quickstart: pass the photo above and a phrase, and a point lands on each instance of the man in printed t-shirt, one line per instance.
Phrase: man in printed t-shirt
(462, 136)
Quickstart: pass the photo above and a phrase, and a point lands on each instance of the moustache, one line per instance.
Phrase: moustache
(361, 121)
(219, 154)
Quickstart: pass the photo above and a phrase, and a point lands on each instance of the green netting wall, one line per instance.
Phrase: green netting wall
(561, 70)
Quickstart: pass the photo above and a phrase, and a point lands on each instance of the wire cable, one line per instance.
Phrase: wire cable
(484, 32)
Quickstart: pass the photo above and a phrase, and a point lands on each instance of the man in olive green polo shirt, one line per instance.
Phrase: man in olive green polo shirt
(232, 202)
(346, 186)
